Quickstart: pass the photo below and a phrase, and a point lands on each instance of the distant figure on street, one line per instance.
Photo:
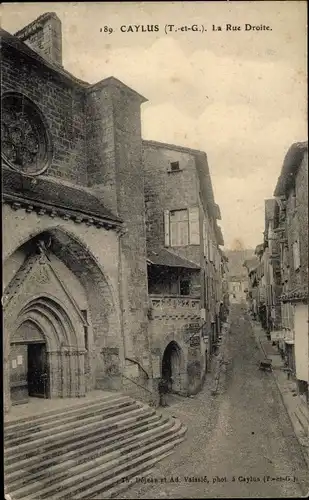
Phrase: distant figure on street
(222, 315)
(163, 390)
(263, 316)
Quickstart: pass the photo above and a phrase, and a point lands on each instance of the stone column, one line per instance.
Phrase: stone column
(65, 362)
(53, 359)
(81, 388)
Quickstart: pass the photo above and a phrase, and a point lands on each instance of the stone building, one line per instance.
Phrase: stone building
(79, 217)
(278, 284)
(291, 193)
(252, 291)
(272, 275)
(237, 275)
(184, 260)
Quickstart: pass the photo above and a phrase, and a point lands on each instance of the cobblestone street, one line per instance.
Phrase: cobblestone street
(240, 442)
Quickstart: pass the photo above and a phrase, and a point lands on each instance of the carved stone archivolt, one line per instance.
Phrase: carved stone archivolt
(24, 138)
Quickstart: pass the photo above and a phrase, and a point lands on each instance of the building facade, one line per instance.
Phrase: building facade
(291, 193)
(278, 284)
(184, 260)
(81, 246)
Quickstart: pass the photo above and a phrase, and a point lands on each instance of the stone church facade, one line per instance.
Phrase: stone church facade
(76, 303)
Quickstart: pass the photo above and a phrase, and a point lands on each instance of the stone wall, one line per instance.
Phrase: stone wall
(116, 174)
(179, 319)
(92, 255)
(302, 215)
(297, 225)
(62, 106)
(168, 190)
(44, 36)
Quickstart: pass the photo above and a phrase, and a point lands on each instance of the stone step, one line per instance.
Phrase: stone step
(112, 422)
(94, 480)
(88, 451)
(122, 482)
(45, 429)
(134, 477)
(73, 407)
(118, 482)
(66, 475)
(70, 442)
(71, 446)
(81, 454)
(60, 416)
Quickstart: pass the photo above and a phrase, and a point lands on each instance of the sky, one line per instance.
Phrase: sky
(240, 96)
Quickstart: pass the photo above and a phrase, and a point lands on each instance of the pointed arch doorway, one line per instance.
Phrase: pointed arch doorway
(46, 354)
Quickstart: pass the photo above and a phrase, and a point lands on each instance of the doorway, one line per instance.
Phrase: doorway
(37, 371)
(29, 374)
(171, 366)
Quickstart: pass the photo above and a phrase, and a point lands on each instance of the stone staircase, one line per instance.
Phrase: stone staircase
(90, 450)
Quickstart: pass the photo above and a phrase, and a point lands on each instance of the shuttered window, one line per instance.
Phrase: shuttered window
(194, 226)
(181, 227)
(205, 237)
(166, 228)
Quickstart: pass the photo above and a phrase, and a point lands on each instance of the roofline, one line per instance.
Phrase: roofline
(8, 39)
(42, 18)
(111, 80)
(215, 209)
(23, 48)
(292, 160)
(166, 145)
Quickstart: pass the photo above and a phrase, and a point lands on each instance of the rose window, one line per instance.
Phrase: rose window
(24, 140)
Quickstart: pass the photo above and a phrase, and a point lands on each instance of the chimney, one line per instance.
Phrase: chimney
(44, 35)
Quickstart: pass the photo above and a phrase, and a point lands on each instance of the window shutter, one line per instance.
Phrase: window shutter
(166, 228)
(194, 226)
(206, 246)
(296, 255)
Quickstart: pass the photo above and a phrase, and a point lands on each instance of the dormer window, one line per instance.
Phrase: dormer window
(174, 166)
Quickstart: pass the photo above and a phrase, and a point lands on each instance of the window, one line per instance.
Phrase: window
(182, 227)
(194, 226)
(296, 256)
(184, 287)
(174, 166)
(179, 227)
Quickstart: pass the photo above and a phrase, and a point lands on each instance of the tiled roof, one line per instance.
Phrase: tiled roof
(52, 193)
(251, 264)
(167, 258)
(291, 164)
(259, 249)
(219, 235)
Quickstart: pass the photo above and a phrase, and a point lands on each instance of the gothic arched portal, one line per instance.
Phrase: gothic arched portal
(45, 330)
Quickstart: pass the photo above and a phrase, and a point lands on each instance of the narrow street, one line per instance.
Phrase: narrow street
(240, 442)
